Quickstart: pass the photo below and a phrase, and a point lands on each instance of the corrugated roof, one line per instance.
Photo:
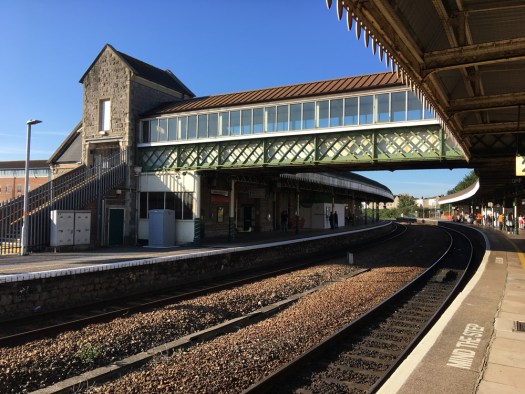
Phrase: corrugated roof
(303, 90)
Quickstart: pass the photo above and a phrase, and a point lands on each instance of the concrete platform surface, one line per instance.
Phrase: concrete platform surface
(475, 347)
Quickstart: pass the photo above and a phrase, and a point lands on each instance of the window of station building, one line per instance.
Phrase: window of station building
(153, 130)
(192, 127)
(183, 127)
(258, 118)
(383, 107)
(180, 202)
(366, 109)
(162, 129)
(235, 122)
(398, 107)
(144, 136)
(246, 121)
(336, 113)
(104, 115)
(203, 126)
(282, 118)
(351, 111)
(295, 117)
(213, 124)
(173, 129)
(414, 107)
(224, 119)
(183, 205)
(270, 118)
(322, 113)
(309, 115)
(155, 200)
(19, 188)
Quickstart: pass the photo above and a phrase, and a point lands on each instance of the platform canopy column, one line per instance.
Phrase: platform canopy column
(231, 219)
(197, 197)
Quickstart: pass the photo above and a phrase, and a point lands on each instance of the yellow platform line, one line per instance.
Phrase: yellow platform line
(521, 255)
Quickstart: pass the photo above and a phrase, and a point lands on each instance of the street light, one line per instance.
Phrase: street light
(25, 228)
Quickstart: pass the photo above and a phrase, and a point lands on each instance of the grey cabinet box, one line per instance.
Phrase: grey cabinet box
(161, 228)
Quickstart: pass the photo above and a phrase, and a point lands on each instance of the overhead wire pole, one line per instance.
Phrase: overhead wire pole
(25, 224)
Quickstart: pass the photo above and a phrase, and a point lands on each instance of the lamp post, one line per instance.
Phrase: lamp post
(25, 228)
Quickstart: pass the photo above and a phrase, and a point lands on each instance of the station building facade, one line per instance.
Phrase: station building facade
(12, 177)
(140, 112)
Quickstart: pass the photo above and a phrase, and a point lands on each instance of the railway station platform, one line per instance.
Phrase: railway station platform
(478, 344)
(80, 261)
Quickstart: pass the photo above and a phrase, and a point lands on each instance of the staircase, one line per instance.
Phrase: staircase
(71, 191)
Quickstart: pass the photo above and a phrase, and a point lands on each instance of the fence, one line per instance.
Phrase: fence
(73, 190)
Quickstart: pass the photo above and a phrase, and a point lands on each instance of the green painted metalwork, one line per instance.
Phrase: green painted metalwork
(296, 148)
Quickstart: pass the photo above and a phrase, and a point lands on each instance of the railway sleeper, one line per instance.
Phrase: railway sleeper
(351, 361)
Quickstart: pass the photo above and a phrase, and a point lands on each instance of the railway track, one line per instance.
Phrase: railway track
(361, 356)
(13, 333)
(413, 243)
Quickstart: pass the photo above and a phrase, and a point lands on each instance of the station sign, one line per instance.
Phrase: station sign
(520, 166)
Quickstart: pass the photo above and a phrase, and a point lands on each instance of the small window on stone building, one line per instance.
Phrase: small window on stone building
(19, 188)
(105, 115)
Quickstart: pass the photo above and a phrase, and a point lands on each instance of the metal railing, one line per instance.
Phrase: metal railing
(73, 190)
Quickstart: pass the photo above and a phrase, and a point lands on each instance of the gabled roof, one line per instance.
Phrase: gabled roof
(70, 151)
(303, 90)
(161, 77)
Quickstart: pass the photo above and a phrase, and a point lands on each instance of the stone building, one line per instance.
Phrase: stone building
(128, 105)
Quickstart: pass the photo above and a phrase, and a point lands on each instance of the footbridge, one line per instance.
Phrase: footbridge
(343, 124)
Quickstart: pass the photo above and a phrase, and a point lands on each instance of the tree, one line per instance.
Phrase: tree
(406, 201)
(468, 180)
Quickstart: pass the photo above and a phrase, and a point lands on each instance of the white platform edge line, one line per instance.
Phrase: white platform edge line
(407, 367)
(155, 260)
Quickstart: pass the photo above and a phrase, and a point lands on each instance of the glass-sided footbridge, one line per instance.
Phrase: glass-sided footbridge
(384, 124)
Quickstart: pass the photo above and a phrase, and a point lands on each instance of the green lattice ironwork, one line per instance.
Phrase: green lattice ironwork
(296, 148)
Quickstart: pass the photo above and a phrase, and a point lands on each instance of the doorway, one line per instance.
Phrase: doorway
(248, 218)
(116, 226)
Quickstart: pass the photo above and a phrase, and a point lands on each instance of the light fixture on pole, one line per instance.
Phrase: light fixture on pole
(25, 224)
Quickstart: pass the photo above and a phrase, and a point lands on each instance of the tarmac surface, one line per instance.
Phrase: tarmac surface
(477, 345)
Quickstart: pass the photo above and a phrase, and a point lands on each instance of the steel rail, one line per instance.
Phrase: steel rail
(275, 381)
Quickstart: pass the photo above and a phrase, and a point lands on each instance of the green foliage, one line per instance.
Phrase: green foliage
(468, 180)
(88, 353)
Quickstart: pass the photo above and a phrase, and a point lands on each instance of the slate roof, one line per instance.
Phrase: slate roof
(161, 77)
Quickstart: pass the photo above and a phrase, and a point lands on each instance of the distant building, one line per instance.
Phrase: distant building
(12, 177)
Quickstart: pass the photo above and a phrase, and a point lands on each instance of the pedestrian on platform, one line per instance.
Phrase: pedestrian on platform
(336, 220)
(510, 223)
(331, 219)
(501, 218)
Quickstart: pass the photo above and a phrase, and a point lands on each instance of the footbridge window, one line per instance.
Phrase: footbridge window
(354, 110)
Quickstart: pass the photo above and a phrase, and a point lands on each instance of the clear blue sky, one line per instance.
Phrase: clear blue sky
(213, 46)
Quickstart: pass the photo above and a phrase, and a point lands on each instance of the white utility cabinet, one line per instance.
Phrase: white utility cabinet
(70, 228)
